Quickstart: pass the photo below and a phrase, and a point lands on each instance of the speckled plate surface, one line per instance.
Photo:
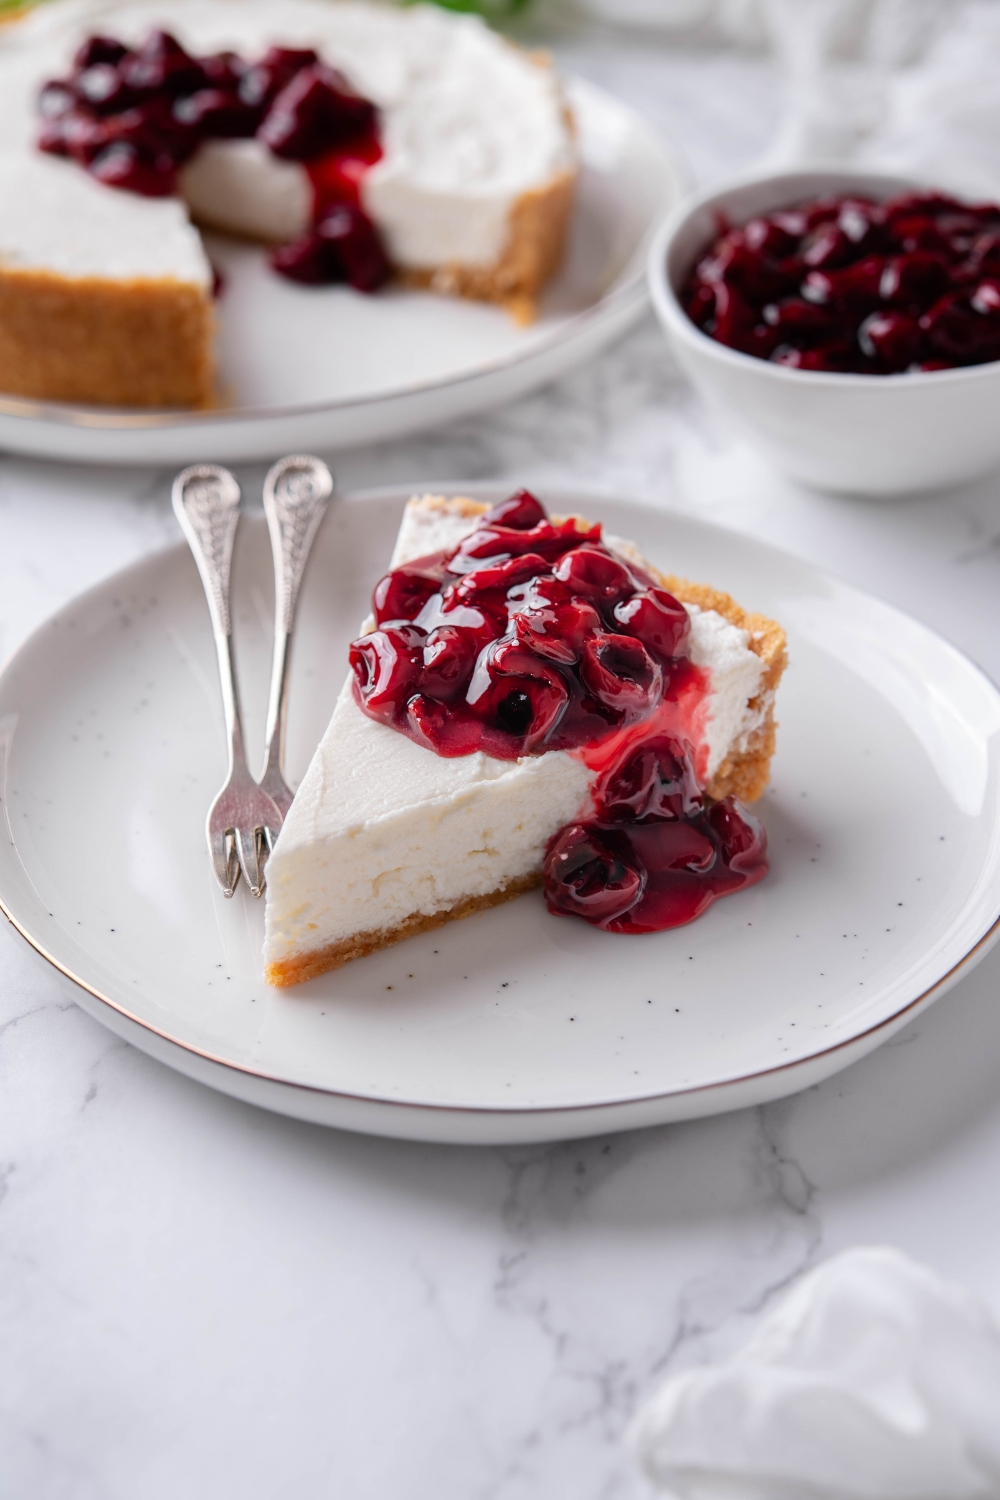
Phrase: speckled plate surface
(325, 368)
(512, 1025)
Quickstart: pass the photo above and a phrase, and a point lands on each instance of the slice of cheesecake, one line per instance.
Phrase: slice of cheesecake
(386, 838)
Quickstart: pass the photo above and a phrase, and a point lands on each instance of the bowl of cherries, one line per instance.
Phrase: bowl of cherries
(848, 323)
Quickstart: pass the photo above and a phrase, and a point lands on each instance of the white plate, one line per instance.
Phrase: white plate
(305, 368)
(512, 1025)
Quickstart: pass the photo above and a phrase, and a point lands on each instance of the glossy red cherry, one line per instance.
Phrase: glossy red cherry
(657, 619)
(55, 98)
(351, 239)
(216, 113)
(890, 337)
(594, 574)
(402, 594)
(655, 781)
(518, 692)
(103, 88)
(964, 326)
(431, 724)
(557, 632)
(587, 876)
(449, 657)
(741, 836)
(123, 165)
(313, 112)
(343, 247)
(98, 49)
(160, 66)
(912, 282)
(501, 575)
(620, 673)
(387, 665)
(518, 513)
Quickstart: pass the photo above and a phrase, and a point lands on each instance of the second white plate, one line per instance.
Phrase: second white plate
(512, 1025)
(307, 368)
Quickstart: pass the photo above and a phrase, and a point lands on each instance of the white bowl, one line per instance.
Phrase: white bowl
(859, 434)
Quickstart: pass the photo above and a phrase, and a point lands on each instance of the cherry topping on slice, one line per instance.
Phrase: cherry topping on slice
(656, 619)
(567, 647)
(620, 673)
(586, 875)
(520, 513)
(387, 665)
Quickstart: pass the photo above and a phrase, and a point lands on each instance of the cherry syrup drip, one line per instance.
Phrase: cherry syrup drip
(531, 636)
(133, 118)
(847, 284)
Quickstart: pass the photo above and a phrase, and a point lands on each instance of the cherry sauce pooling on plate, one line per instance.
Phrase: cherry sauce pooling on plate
(134, 117)
(847, 284)
(530, 636)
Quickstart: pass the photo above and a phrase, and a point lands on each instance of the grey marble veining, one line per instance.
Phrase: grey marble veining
(200, 1299)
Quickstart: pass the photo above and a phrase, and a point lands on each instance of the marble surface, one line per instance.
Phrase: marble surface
(200, 1299)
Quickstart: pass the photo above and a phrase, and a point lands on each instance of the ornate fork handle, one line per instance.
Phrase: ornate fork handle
(206, 501)
(243, 822)
(296, 493)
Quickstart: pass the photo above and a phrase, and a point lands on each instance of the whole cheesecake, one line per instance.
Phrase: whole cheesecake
(360, 139)
(533, 702)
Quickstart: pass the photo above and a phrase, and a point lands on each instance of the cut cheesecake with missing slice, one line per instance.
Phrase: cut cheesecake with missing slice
(531, 703)
(356, 141)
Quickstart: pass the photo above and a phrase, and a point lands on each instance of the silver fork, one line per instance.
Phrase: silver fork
(243, 822)
(296, 493)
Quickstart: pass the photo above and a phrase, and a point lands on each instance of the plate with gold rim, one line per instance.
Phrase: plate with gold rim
(883, 821)
(325, 368)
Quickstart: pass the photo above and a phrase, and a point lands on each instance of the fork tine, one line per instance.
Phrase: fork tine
(249, 851)
(225, 860)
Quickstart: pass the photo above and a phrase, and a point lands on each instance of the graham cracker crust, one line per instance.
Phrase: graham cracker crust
(143, 342)
(308, 965)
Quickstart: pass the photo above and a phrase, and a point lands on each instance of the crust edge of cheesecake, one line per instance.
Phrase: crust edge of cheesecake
(77, 338)
(743, 773)
(318, 961)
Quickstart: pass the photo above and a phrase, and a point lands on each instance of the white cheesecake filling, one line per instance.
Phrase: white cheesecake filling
(55, 218)
(469, 122)
(382, 828)
(243, 188)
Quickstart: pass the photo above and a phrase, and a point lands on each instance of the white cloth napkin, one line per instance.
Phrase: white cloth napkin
(873, 1378)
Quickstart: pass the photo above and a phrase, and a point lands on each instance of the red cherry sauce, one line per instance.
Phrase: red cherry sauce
(532, 636)
(134, 117)
(847, 284)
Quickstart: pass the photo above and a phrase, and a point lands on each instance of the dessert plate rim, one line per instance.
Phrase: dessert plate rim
(102, 434)
(470, 1123)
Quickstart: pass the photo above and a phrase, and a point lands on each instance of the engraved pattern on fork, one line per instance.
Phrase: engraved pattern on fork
(296, 493)
(243, 821)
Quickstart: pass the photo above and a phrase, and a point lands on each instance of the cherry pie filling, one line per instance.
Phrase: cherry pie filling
(847, 284)
(531, 636)
(133, 118)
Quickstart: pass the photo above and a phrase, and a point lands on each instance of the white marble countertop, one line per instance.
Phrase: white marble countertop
(205, 1300)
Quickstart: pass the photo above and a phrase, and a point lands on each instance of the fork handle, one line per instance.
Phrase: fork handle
(206, 500)
(296, 493)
